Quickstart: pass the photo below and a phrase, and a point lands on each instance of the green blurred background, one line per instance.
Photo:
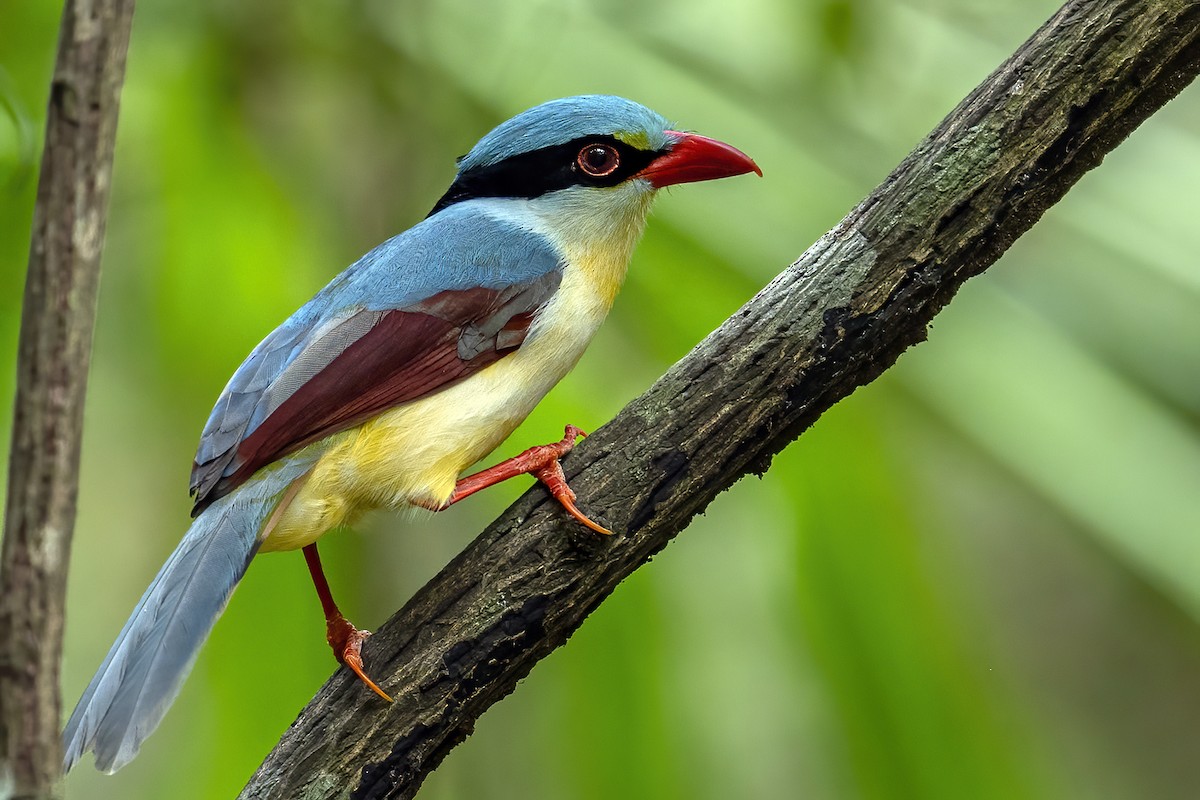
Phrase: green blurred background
(977, 578)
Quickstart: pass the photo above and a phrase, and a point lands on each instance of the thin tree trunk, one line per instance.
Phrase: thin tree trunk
(52, 365)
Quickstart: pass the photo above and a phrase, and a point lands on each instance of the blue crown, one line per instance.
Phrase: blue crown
(560, 121)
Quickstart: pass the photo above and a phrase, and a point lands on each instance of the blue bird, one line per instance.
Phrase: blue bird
(411, 365)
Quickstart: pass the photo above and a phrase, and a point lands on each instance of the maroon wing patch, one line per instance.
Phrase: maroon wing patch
(406, 354)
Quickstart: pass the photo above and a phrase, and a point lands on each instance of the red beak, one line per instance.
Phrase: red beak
(696, 158)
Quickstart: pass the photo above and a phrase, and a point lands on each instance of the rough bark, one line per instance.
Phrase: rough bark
(831, 322)
(52, 363)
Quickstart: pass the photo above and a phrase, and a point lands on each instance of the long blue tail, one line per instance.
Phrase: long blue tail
(146, 667)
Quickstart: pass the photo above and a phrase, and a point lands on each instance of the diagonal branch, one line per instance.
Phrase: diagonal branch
(55, 345)
(831, 322)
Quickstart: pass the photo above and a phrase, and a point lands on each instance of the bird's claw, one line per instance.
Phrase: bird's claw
(540, 461)
(346, 641)
(552, 477)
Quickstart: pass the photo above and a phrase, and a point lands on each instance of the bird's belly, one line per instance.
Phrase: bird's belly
(413, 454)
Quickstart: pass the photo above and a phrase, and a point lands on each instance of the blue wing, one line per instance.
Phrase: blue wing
(422, 310)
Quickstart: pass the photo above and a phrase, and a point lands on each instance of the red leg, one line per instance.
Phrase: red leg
(542, 463)
(344, 638)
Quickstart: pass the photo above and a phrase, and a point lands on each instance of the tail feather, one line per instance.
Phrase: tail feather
(144, 671)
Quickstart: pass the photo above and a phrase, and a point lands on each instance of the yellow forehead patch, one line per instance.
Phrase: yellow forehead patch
(636, 139)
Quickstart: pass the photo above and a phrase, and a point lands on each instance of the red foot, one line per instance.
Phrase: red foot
(551, 475)
(346, 641)
(542, 463)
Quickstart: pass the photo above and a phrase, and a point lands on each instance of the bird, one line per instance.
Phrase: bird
(407, 368)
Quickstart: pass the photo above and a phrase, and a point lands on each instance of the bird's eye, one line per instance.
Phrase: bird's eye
(598, 160)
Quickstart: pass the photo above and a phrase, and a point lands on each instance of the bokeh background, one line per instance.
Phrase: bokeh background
(977, 578)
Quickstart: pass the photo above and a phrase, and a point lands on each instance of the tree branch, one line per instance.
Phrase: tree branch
(831, 322)
(52, 363)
